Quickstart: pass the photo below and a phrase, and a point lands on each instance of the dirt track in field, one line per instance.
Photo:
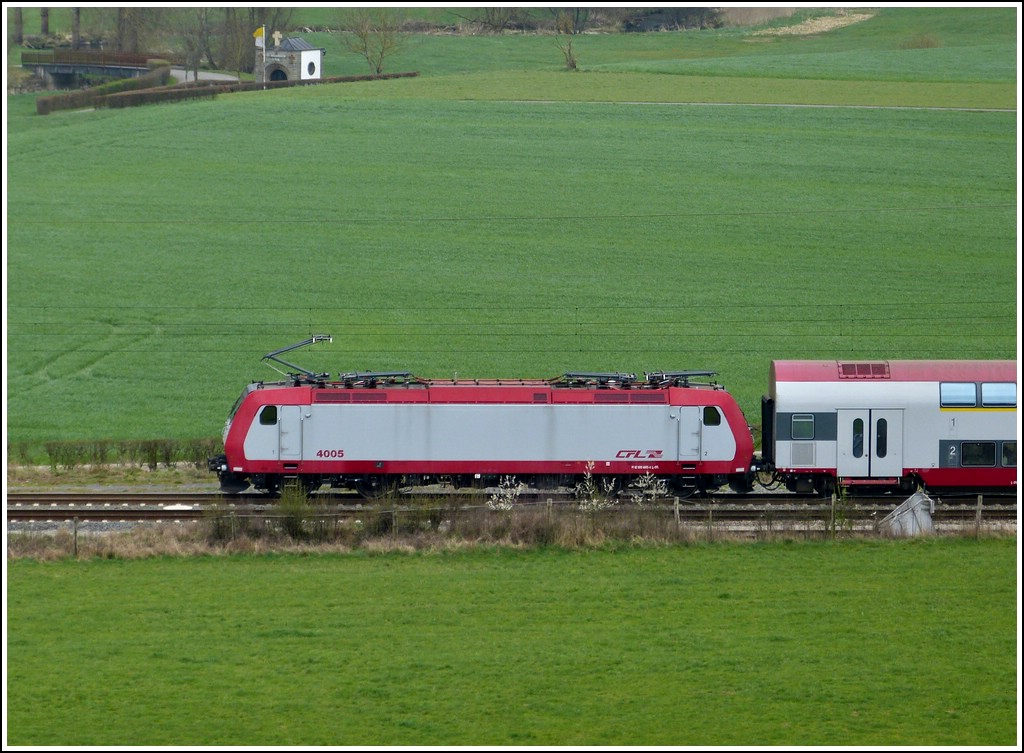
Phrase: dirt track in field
(814, 25)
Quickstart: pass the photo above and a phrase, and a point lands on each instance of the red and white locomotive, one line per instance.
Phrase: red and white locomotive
(942, 425)
(881, 425)
(373, 431)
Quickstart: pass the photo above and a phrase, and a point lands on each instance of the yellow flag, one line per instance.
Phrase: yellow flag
(258, 36)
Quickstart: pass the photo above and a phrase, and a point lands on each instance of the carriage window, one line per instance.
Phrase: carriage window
(881, 438)
(711, 416)
(803, 426)
(1009, 454)
(998, 394)
(858, 438)
(978, 453)
(268, 416)
(957, 395)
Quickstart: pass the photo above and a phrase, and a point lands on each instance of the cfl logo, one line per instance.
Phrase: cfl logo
(639, 454)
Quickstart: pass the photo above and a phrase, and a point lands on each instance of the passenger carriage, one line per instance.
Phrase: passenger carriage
(948, 425)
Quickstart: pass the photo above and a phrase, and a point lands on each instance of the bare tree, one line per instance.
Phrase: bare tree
(19, 27)
(273, 18)
(132, 25)
(44, 21)
(238, 48)
(571, 20)
(563, 39)
(494, 20)
(192, 28)
(373, 33)
(76, 28)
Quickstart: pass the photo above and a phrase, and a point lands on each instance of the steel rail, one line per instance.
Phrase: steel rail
(110, 506)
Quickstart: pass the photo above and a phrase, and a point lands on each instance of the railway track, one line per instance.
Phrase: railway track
(58, 507)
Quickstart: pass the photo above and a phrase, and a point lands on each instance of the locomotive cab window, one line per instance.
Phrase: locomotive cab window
(268, 416)
(958, 395)
(803, 426)
(998, 394)
(711, 416)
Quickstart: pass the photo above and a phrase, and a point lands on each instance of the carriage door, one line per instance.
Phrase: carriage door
(870, 443)
(290, 432)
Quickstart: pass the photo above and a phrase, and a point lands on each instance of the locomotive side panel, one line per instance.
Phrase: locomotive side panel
(391, 436)
(467, 434)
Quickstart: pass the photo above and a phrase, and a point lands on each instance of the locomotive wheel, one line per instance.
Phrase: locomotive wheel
(231, 483)
(685, 486)
(311, 484)
(377, 487)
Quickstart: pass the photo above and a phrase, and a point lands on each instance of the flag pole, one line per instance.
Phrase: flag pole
(261, 42)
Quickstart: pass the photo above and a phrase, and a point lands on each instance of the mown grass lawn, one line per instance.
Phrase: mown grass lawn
(840, 643)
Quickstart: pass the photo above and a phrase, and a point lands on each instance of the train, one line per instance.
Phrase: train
(879, 426)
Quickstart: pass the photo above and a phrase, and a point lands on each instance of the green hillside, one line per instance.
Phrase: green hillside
(500, 216)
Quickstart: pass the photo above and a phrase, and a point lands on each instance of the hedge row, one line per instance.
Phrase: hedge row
(94, 96)
(151, 453)
(198, 89)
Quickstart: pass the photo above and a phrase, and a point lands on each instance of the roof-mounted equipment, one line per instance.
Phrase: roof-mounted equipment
(599, 379)
(299, 374)
(372, 378)
(675, 378)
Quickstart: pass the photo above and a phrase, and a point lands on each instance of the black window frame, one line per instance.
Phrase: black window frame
(804, 419)
(881, 438)
(968, 450)
(708, 411)
(858, 437)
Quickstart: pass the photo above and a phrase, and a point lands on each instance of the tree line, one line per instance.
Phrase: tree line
(216, 38)
(221, 38)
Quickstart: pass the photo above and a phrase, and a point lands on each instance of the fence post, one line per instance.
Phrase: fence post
(74, 540)
(832, 517)
(977, 517)
(676, 507)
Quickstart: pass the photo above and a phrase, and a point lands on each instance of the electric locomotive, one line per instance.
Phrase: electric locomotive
(377, 431)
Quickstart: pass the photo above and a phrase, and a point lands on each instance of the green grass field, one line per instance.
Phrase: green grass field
(703, 200)
(499, 217)
(835, 644)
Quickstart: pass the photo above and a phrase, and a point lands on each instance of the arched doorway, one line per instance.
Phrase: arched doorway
(278, 74)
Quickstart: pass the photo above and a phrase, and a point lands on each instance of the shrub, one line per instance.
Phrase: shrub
(96, 96)
(65, 454)
(920, 42)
